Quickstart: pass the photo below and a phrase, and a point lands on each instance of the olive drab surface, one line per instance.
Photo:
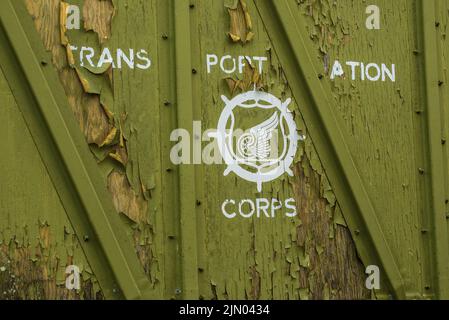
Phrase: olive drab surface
(225, 149)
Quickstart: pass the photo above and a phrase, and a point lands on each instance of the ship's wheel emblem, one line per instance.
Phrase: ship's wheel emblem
(249, 156)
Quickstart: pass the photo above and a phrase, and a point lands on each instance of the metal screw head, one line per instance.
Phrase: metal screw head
(178, 291)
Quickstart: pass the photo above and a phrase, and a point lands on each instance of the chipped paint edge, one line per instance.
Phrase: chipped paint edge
(329, 140)
(73, 152)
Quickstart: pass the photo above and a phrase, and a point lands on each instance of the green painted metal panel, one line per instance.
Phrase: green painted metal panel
(269, 257)
(35, 223)
(95, 108)
(396, 160)
(67, 159)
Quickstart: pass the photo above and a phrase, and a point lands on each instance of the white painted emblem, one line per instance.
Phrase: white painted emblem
(250, 158)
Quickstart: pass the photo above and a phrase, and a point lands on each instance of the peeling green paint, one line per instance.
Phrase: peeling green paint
(172, 214)
(282, 251)
(37, 241)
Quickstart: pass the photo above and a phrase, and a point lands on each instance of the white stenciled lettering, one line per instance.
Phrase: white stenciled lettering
(242, 62)
(373, 76)
(106, 58)
(128, 59)
(263, 205)
(229, 64)
(121, 58)
(258, 208)
(90, 54)
(260, 61)
(225, 212)
(337, 70)
(353, 66)
(244, 212)
(145, 61)
(276, 205)
(225, 67)
(211, 60)
(387, 72)
(291, 204)
(373, 72)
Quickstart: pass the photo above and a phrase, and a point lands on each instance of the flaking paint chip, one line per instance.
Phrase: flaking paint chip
(241, 24)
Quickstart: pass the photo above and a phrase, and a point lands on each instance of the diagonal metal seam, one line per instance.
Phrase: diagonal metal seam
(330, 140)
(184, 105)
(133, 284)
(435, 157)
(42, 140)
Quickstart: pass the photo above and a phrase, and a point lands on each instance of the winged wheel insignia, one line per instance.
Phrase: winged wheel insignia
(256, 145)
